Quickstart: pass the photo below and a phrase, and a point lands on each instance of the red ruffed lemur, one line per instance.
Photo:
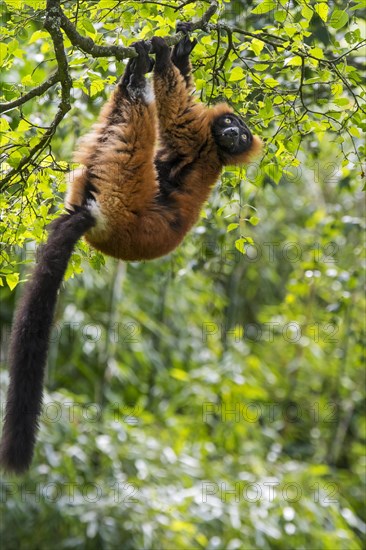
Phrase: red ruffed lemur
(148, 166)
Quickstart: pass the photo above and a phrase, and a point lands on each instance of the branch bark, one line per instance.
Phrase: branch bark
(87, 45)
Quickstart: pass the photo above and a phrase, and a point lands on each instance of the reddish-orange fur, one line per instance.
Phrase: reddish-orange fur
(133, 224)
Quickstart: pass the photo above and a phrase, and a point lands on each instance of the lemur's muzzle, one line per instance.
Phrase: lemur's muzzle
(230, 136)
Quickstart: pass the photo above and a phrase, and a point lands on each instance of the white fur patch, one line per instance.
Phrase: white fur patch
(149, 95)
(101, 219)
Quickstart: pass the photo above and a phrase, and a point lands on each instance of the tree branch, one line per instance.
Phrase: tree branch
(87, 45)
(52, 24)
(37, 91)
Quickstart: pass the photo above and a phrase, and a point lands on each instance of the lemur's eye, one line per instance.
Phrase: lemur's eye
(227, 120)
(244, 137)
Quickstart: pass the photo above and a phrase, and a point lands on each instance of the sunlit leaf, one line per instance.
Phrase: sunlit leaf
(236, 73)
(338, 19)
(264, 7)
(322, 10)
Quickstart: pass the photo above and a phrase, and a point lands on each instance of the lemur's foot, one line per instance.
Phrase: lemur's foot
(185, 45)
(142, 63)
(158, 45)
(133, 78)
(162, 51)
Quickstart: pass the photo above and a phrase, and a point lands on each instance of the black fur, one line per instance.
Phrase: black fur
(29, 340)
(133, 81)
(182, 50)
(232, 134)
(160, 47)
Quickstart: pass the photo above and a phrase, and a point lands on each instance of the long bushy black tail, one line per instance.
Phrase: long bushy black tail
(29, 340)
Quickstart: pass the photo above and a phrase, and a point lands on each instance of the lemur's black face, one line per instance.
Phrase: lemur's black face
(231, 134)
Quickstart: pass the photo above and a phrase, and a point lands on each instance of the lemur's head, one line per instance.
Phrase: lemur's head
(236, 143)
(232, 134)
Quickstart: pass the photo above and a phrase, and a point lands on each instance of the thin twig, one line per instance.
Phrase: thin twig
(37, 91)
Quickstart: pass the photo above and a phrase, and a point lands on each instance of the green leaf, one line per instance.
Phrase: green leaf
(232, 226)
(27, 80)
(239, 245)
(338, 19)
(3, 52)
(260, 66)
(23, 126)
(254, 220)
(313, 80)
(12, 46)
(88, 26)
(96, 86)
(271, 82)
(322, 10)
(290, 30)
(360, 6)
(12, 280)
(293, 61)
(106, 4)
(179, 374)
(264, 7)
(352, 37)
(257, 46)
(280, 16)
(236, 74)
(317, 52)
(354, 132)
(273, 171)
(4, 125)
(341, 101)
(38, 35)
(336, 89)
(307, 12)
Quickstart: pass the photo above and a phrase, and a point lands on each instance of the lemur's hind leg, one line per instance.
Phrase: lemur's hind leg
(176, 107)
(120, 147)
(182, 51)
(120, 163)
(181, 118)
